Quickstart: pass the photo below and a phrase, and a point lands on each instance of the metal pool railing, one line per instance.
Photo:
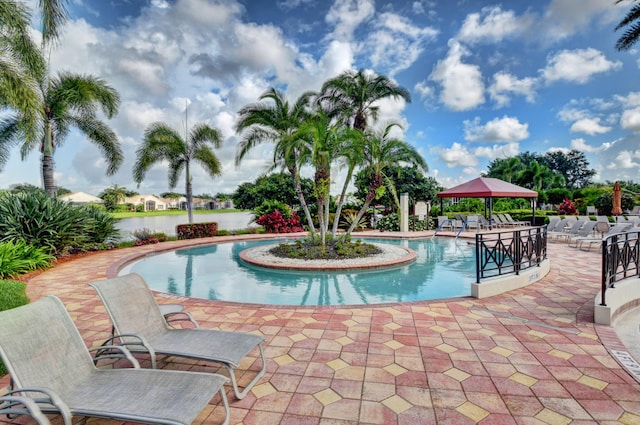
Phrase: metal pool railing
(509, 252)
(620, 259)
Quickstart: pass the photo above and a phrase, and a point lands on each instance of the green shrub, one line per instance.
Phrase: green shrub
(196, 230)
(270, 206)
(58, 227)
(17, 258)
(389, 223)
(12, 295)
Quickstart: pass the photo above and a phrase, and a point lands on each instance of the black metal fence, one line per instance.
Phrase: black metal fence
(509, 252)
(620, 259)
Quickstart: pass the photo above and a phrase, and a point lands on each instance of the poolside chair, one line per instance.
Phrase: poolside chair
(11, 405)
(591, 210)
(584, 232)
(445, 222)
(618, 228)
(553, 222)
(140, 326)
(571, 232)
(513, 222)
(49, 363)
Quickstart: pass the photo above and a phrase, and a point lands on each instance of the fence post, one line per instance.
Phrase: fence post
(517, 251)
(478, 256)
(603, 250)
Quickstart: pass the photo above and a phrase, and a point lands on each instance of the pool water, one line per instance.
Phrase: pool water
(444, 268)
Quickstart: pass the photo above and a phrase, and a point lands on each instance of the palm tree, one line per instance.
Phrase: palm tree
(324, 139)
(276, 121)
(162, 143)
(539, 177)
(18, 89)
(66, 100)
(380, 151)
(352, 95)
(632, 33)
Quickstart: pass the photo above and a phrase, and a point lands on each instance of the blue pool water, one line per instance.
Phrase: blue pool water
(443, 268)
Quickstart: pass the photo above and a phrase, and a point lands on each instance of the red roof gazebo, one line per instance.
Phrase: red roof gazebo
(489, 188)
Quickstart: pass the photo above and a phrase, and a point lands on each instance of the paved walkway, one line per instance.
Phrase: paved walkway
(531, 356)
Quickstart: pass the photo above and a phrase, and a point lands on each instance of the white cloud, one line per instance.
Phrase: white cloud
(397, 43)
(505, 84)
(497, 151)
(462, 85)
(347, 15)
(492, 25)
(590, 126)
(456, 155)
(630, 119)
(581, 145)
(577, 65)
(505, 129)
(625, 160)
(565, 17)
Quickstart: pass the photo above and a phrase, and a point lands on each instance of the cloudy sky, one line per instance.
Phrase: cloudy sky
(487, 79)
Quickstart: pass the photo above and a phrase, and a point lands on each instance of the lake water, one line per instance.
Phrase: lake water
(167, 224)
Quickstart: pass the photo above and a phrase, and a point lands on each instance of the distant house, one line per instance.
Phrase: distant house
(80, 198)
(149, 202)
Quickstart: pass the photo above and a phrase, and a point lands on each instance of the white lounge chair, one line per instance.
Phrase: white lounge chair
(49, 363)
(141, 327)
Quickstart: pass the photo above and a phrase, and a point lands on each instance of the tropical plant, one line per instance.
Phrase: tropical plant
(163, 143)
(567, 208)
(19, 55)
(18, 257)
(276, 121)
(113, 196)
(272, 205)
(276, 222)
(66, 100)
(632, 23)
(352, 96)
(56, 226)
(381, 150)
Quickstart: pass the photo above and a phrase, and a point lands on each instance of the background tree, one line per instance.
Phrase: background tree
(113, 196)
(405, 180)
(506, 169)
(276, 186)
(573, 166)
(162, 143)
(632, 32)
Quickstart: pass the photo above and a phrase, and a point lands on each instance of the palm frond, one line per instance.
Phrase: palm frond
(105, 139)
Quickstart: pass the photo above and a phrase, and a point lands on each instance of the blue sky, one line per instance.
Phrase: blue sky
(487, 79)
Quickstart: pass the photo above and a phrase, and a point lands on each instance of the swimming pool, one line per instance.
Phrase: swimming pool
(444, 268)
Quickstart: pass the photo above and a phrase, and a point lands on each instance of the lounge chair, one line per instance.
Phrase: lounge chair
(591, 210)
(618, 228)
(140, 326)
(571, 232)
(584, 232)
(445, 222)
(18, 405)
(49, 363)
(513, 222)
(553, 222)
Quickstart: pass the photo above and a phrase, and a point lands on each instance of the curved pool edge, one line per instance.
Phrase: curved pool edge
(321, 265)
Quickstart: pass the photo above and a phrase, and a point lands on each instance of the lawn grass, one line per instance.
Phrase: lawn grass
(131, 214)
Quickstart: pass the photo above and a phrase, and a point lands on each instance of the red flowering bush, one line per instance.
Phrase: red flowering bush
(567, 208)
(275, 222)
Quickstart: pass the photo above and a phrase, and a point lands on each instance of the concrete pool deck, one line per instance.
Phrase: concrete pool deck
(529, 356)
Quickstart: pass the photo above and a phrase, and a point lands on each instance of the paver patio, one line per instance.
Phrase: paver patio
(530, 356)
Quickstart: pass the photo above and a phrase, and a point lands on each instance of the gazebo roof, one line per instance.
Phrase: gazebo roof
(487, 187)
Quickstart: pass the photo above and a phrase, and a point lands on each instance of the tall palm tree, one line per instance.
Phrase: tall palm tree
(382, 150)
(276, 121)
(325, 139)
(19, 57)
(632, 33)
(66, 100)
(163, 143)
(352, 96)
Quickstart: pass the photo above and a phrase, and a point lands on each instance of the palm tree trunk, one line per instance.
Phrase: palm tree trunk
(371, 195)
(341, 201)
(48, 183)
(189, 190)
(303, 203)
